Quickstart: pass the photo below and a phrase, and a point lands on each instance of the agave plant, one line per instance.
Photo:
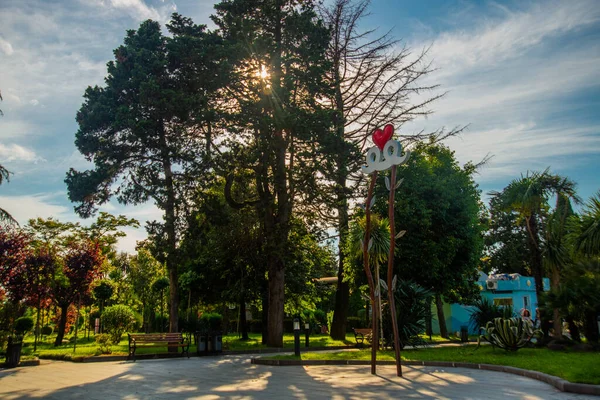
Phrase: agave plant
(509, 334)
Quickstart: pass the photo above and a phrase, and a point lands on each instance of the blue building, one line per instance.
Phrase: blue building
(502, 289)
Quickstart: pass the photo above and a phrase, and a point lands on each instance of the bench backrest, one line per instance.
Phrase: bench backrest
(364, 331)
(155, 337)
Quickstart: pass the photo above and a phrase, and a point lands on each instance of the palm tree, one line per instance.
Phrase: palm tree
(529, 197)
(585, 230)
(378, 249)
(5, 217)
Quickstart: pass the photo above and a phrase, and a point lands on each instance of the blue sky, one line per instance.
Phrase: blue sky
(524, 75)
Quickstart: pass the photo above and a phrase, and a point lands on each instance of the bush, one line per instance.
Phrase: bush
(210, 322)
(320, 316)
(47, 330)
(23, 325)
(116, 320)
(485, 311)
(508, 334)
(3, 339)
(104, 342)
(412, 309)
(255, 326)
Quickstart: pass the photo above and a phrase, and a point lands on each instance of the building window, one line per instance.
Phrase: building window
(503, 301)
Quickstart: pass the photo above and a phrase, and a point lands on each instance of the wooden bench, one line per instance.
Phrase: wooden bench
(362, 334)
(157, 340)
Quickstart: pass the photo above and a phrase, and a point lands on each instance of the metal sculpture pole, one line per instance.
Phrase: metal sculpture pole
(366, 246)
(386, 154)
(390, 275)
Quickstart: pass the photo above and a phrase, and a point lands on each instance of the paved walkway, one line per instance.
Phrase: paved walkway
(233, 377)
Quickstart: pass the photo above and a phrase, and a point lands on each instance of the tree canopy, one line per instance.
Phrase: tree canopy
(438, 206)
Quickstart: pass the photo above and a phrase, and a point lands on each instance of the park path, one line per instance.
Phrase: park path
(233, 377)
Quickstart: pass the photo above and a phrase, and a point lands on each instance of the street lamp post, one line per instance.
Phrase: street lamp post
(307, 332)
(296, 337)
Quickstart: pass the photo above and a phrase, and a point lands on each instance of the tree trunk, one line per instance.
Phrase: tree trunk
(276, 299)
(536, 262)
(429, 320)
(37, 324)
(243, 322)
(265, 311)
(557, 321)
(441, 318)
(61, 325)
(342, 293)
(169, 207)
(537, 267)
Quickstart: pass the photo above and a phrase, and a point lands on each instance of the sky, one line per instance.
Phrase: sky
(523, 76)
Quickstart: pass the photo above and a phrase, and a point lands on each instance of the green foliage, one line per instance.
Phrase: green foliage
(412, 308)
(104, 343)
(528, 198)
(103, 290)
(509, 334)
(320, 316)
(47, 330)
(439, 207)
(116, 320)
(210, 322)
(579, 296)
(23, 325)
(160, 284)
(586, 229)
(279, 123)
(506, 246)
(378, 251)
(484, 310)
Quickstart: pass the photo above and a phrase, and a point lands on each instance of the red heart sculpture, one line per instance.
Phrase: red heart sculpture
(389, 131)
(380, 137)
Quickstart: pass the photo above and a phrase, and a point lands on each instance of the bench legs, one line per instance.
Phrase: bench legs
(131, 354)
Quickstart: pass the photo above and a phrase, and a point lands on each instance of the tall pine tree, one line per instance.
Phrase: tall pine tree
(277, 120)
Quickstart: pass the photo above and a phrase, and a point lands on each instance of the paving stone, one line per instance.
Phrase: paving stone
(233, 377)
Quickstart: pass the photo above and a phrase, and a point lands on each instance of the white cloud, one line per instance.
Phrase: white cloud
(527, 145)
(53, 205)
(11, 128)
(136, 8)
(14, 152)
(23, 208)
(513, 78)
(6, 47)
(496, 41)
(128, 243)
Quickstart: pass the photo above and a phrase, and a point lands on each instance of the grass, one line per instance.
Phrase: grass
(574, 367)
(88, 347)
(232, 342)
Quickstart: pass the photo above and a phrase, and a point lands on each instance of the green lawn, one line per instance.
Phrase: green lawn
(232, 342)
(88, 347)
(571, 366)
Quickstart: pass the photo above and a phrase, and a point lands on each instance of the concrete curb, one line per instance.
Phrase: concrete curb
(25, 363)
(558, 383)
